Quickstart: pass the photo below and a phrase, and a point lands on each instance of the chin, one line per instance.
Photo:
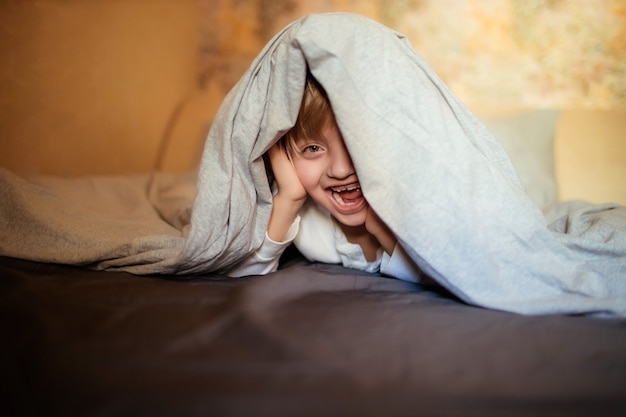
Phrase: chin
(354, 220)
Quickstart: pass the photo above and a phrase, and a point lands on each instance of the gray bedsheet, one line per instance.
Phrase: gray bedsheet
(309, 340)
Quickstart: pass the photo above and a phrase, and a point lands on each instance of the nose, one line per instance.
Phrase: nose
(340, 166)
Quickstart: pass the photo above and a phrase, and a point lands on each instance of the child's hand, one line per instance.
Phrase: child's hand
(375, 226)
(289, 186)
(289, 198)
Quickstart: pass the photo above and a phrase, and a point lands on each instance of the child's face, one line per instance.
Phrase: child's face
(325, 170)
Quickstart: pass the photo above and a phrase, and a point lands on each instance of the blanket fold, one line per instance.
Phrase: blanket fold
(426, 165)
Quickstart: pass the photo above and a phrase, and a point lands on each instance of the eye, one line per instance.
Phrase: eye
(311, 148)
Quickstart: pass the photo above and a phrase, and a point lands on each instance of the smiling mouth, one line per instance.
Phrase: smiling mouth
(347, 196)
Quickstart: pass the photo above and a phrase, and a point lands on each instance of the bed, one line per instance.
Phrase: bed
(309, 339)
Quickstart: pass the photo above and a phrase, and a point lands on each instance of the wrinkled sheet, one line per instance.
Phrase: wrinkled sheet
(309, 340)
(427, 166)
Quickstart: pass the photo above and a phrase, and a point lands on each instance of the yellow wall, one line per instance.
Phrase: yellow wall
(88, 86)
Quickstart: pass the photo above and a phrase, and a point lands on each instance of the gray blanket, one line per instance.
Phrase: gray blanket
(427, 166)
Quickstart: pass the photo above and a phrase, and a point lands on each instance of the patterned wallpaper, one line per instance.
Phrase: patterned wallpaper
(492, 53)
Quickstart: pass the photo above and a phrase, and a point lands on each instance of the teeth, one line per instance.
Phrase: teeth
(342, 190)
(336, 193)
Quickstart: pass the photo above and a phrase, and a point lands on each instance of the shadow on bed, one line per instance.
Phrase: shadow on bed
(306, 340)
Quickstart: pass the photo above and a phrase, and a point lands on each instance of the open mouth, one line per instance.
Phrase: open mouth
(347, 198)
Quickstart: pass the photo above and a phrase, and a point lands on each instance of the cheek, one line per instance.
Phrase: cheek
(309, 173)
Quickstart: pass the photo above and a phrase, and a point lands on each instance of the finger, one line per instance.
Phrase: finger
(277, 152)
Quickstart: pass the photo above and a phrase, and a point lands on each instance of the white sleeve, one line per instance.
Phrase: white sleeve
(265, 259)
(400, 265)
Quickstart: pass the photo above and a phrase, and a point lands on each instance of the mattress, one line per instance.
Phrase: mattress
(309, 339)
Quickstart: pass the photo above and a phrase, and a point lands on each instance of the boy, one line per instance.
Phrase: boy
(336, 225)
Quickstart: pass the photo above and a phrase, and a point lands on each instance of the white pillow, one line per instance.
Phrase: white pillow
(528, 139)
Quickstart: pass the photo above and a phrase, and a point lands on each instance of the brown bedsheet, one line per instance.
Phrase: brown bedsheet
(308, 340)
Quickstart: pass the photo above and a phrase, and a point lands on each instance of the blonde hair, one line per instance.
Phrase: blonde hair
(315, 112)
